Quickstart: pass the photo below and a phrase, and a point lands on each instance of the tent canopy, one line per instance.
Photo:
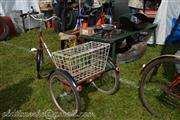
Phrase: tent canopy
(7, 6)
(168, 10)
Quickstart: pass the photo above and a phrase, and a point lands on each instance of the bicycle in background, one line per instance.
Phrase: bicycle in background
(160, 86)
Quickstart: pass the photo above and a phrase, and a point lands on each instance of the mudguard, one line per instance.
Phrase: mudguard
(73, 81)
(160, 57)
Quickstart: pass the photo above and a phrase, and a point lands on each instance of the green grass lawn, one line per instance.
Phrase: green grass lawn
(20, 90)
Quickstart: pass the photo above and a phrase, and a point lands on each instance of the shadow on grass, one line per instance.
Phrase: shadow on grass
(85, 100)
(169, 68)
(166, 49)
(12, 97)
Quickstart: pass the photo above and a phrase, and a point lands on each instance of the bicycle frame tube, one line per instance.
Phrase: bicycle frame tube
(172, 85)
(42, 45)
(174, 82)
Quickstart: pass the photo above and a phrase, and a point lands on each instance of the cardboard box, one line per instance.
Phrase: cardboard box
(87, 31)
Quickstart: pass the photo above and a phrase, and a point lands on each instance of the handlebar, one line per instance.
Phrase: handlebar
(43, 19)
(32, 12)
(26, 14)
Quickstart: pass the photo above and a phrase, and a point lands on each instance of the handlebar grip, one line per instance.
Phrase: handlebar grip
(35, 13)
(23, 15)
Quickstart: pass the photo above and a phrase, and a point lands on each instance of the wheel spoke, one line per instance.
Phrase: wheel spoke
(64, 94)
(108, 81)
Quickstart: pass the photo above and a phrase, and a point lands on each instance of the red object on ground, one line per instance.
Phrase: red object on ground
(10, 25)
(52, 24)
(1, 28)
(150, 12)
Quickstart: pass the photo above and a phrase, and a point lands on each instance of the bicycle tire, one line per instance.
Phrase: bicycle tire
(42, 72)
(38, 62)
(67, 80)
(154, 68)
(73, 24)
(69, 19)
(5, 29)
(99, 83)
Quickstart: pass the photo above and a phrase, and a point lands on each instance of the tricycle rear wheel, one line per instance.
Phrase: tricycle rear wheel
(108, 81)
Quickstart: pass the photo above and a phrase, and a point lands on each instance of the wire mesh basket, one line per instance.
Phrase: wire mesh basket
(83, 61)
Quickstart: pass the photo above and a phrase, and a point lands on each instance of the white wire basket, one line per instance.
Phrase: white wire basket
(83, 61)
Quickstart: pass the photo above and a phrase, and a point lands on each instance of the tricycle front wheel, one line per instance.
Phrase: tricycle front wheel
(43, 64)
(108, 81)
(64, 93)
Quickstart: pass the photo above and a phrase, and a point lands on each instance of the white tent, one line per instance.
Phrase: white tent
(12, 8)
(7, 6)
(168, 10)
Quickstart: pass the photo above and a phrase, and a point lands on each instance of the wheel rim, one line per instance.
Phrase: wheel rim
(63, 96)
(158, 102)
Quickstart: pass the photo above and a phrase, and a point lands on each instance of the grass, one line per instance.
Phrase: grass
(21, 90)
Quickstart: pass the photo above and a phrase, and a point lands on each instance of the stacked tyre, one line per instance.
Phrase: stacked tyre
(4, 29)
